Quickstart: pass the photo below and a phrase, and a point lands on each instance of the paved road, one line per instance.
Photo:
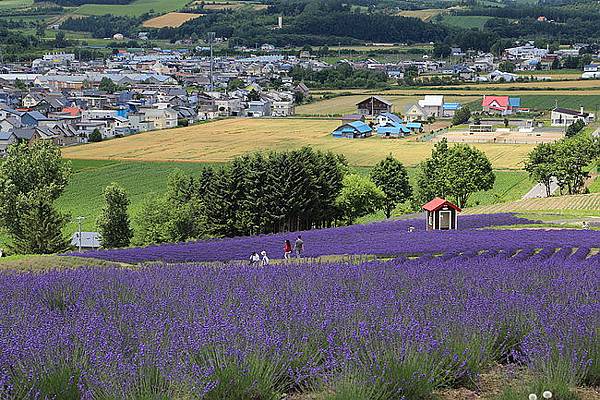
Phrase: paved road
(539, 190)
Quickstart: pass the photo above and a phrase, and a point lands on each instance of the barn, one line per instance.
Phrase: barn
(441, 215)
(373, 106)
(353, 130)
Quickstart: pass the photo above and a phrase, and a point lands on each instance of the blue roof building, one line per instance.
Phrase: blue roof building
(414, 126)
(353, 130)
(452, 106)
(393, 131)
(514, 102)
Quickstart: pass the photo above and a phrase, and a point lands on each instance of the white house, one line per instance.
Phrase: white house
(433, 105)
(283, 109)
(565, 117)
(525, 52)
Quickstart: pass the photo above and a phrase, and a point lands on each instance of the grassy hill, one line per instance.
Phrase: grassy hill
(137, 7)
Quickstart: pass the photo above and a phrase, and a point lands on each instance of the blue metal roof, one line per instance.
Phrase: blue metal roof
(452, 106)
(395, 130)
(392, 117)
(360, 126)
(514, 101)
(414, 125)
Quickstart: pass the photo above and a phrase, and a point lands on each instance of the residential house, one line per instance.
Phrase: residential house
(283, 109)
(153, 118)
(6, 139)
(499, 76)
(353, 130)
(433, 105)
(388, 119)
(373, 106)
(525, 52)
(393, 130)
(566, 117)
(502, 105)
(347, 118)
(34, 118)
(416, 113)
(259, 108)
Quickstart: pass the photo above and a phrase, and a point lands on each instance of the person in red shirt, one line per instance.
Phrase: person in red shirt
(287, 250)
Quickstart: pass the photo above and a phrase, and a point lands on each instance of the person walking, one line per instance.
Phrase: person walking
(254, 259)
(265, 259)
(287, 250)
(299, 246)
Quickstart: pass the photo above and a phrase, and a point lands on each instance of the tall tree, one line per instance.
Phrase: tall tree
(42, 228)
(31, 174)
(391, 176)
(454, 173)
(113, 222)
(359, 197)
(541, 165)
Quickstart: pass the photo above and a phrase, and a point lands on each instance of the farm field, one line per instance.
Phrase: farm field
(170, 20)
(83, 195)
(347, 104)
(317, 329)
(8, 4)
(425, 15)
(231, 5)
(220, 141)
(464, 21)
(138, 7)
(582, 204)
(546, 102)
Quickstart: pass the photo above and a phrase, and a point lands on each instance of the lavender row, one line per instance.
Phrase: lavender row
(402, 327)
(383, 238)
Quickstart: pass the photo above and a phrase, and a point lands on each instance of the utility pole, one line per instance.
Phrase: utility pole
(79, 221)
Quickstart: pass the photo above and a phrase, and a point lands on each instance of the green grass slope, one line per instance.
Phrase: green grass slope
(137, 7)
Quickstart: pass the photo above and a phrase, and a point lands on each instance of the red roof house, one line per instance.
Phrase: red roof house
(441, 214)
(496, 104)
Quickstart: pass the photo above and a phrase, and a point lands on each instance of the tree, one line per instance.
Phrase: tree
(235, 84)
(113, 222)
(107, 85)
(95, 136)
(41, 228)
(454, 173)
(19, 84)
(391, 177)
(60, 40)
(461, 116)
(441, 50)
(572, 157)
(359, 197)
(507, 66)
(575, 128)
(541, 165)
(253, 95)
(40, 30)
(32, 177)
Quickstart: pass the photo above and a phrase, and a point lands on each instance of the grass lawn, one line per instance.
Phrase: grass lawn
(83, 195)
(138, 7)
(33, 263)
(222, 140)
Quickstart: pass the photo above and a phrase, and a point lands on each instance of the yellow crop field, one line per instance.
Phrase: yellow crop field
(424, 15)
(559, 204)
(347, 104)
(170, 20)
(220, 141)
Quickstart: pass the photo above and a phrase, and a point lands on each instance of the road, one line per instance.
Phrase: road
(539, 190)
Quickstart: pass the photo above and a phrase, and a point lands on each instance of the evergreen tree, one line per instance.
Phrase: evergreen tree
(113, 222)
(95, 136)
(391, 176)
(32, 177)
(42, 228)
(461, 116)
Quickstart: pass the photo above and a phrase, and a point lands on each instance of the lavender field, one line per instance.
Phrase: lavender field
(389, 238)
(399, 329)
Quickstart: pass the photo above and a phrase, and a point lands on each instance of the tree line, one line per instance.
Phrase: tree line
(258, 193)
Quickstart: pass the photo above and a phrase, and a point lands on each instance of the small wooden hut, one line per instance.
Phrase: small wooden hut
(441, 214)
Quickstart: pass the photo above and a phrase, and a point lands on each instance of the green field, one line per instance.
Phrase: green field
(465, 21)
(138, 7)
(546, 102)
(7, 4)
(141, 180)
